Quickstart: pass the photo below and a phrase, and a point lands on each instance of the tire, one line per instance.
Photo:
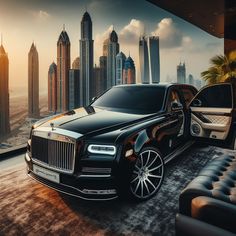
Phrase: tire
(147, 175)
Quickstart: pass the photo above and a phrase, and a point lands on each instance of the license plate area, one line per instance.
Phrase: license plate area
(46, 174)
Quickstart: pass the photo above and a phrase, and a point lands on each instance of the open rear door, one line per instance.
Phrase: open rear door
(212, 114)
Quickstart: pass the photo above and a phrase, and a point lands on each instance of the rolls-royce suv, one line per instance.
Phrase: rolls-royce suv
(121, 142)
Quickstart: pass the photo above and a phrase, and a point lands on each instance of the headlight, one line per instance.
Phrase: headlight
(102, 149)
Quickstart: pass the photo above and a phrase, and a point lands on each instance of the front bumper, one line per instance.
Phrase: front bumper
(88, 187)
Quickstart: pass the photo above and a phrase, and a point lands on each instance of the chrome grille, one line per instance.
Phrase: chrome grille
(53, 154)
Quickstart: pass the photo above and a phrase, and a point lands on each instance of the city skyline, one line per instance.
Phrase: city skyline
(41, 22)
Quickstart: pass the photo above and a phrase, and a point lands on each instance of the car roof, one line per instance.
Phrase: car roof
(163, 85)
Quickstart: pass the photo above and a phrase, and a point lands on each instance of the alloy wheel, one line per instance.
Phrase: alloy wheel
(147, 175)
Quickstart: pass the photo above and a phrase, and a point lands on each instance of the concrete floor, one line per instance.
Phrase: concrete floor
(28, 208)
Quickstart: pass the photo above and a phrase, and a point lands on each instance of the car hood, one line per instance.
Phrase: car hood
(90, 119)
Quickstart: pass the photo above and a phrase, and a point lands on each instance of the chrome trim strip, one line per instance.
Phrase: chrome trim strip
(73, 195)
(177, 152)
(99, 191)
(95, 176)
(48, 133)
(212, 110)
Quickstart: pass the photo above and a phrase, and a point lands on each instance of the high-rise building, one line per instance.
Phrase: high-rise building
(99, 83)
(113, 49)
(144, 60)
(120, 62)
(63, 66)
(86, 59)
(149, 59)
(76, 64)
(105, 47)
(181, 73)
(33, 82)
(103, 73)
(198, 83)
(129, 74)
(52, 88)
(74, 89)
(154, 59)
(190, 79)
(4, 93)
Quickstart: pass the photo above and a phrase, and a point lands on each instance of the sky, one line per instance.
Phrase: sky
(41, 21)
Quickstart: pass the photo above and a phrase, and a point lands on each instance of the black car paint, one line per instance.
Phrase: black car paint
(125, 131)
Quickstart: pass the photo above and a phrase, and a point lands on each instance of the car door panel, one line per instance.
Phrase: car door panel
(209, 123)
(214, 121)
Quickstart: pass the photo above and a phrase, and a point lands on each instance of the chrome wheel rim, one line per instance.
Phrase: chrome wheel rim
(147, 174)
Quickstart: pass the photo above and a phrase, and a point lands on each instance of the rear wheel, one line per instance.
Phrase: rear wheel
(147, 175)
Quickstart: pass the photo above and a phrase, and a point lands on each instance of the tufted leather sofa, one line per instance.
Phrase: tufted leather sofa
(207, 206)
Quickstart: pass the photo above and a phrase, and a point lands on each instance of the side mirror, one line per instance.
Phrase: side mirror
(94, 99)
(176, 106)
(196, 103)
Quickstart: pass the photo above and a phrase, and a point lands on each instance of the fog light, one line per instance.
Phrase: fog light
(129, 152)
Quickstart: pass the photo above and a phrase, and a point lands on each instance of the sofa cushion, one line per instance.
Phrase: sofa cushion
(217, 180)
(214, 212)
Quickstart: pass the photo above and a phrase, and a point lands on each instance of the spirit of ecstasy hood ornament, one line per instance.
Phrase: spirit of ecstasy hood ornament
(52, 126)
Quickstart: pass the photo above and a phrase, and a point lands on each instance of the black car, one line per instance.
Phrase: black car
(122, 141)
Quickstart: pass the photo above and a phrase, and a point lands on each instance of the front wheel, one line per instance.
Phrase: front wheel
(147, 175)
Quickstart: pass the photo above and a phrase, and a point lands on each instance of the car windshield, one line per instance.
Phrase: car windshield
(132, 99)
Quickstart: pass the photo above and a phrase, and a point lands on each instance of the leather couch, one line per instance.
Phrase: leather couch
(207, 206)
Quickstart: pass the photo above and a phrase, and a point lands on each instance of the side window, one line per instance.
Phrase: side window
(173, 97)
(218, 96)
(188, 95)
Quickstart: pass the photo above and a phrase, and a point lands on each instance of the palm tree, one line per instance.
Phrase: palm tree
(222, 69)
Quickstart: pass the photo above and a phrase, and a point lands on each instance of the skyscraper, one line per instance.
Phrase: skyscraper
(149, 59)
(154, 59)
(105, 47)
(120, 62)
(129, 74)
(74, 89)
(33, 82)
(190, 79)
(113, 49)
(144, 60)
(86, 59)
(52, 88)
(98, 88)
(181, 73)
(4, 93)
(103, 72)
(63, 66)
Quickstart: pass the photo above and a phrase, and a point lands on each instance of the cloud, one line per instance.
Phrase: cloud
(131, 32)
(98, 41)
(170, 36)
(99, 38)
(41, 15)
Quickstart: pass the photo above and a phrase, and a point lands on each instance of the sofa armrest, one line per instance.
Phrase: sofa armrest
(215, 212)
(187, 226)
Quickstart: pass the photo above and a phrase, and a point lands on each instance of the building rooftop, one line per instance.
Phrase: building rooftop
(113, 36)
(52, 68)
(86, 17)
(63, 37)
